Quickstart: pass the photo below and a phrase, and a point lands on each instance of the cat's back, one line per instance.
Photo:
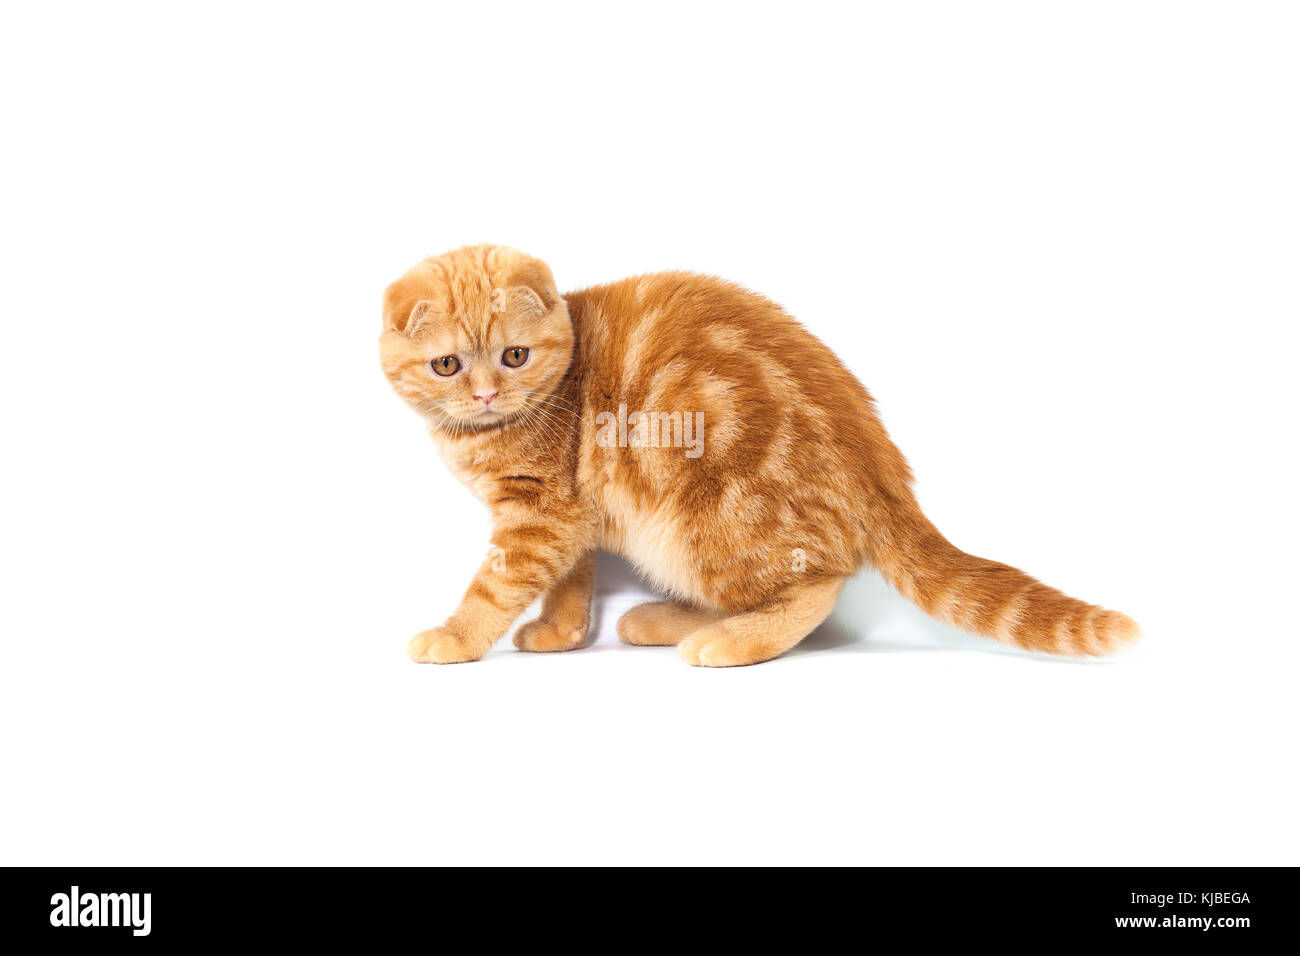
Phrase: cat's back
(648, 335)
(763, 444)
(680, 342)
(687, 313)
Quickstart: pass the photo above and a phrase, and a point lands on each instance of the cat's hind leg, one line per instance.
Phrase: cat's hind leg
(566, 612)
(765, 632)
(661, 623)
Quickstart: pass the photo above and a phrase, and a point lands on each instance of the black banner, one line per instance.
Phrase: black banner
(146, 907)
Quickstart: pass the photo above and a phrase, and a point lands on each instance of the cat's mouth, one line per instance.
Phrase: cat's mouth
(484, 417)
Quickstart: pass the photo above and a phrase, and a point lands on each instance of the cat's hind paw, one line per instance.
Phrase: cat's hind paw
(716, 647)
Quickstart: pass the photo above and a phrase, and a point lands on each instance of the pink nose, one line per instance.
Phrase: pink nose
(485, 397)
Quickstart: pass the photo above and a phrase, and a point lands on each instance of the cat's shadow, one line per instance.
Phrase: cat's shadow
(870, 617)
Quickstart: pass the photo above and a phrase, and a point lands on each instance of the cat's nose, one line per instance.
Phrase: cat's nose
(486, 397)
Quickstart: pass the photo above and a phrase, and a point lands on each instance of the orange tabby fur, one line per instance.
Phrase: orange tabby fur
(797, 486)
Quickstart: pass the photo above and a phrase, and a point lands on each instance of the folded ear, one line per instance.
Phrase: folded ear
(521, 300)
(531, 288)
(404, 311)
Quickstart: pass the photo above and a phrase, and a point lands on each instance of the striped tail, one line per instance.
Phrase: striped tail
(992, 599)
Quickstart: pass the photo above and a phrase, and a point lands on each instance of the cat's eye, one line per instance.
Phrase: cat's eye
(514, 357)
(447, 365)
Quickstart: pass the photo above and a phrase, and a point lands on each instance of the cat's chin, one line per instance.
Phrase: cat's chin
(483, 420)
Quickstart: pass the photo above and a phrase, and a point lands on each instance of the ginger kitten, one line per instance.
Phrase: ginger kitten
(694, 428)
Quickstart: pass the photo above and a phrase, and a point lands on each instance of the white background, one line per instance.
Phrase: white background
(1059, 243)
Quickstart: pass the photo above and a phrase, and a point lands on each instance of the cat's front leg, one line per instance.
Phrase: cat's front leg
(566, 612)
(530, 553)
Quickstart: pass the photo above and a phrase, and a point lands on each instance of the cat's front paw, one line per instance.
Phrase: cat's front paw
(546, 636)
(440, 646)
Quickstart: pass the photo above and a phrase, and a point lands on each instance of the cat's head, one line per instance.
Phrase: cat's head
(475, 337)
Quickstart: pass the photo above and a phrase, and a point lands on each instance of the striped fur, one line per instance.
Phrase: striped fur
(796, 488)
